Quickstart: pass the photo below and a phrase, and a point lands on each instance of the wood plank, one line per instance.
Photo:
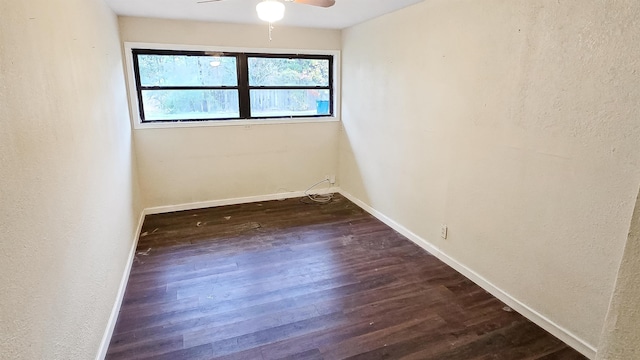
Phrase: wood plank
(288, 280)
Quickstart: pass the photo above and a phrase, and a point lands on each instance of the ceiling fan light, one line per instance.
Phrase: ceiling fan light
(270, 10)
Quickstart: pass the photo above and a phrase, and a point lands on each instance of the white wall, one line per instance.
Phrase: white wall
(515, 122)
(187, 165)
(68, 207)
(620, 337)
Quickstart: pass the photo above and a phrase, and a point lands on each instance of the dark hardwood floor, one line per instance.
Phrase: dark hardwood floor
(288, 280)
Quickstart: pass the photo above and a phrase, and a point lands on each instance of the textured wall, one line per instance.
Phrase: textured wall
(620, 337)
(66, 177)
(194, 164)
(514, 122)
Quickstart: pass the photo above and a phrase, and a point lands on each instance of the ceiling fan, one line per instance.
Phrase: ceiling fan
(320, 3)
(273, 10)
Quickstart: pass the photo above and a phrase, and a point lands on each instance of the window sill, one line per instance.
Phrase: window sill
(256, 122)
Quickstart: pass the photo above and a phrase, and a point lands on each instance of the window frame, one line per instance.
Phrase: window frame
(243, 87)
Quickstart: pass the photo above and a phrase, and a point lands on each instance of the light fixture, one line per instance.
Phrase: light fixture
(270, 10)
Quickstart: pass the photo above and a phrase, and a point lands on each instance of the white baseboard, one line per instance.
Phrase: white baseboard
(111, 325)
(106, 339)
(235, 201)
(537, 318)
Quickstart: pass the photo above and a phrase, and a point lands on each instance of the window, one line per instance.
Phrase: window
(179, 86)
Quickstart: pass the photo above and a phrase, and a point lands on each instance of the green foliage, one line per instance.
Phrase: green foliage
(288, 72)
(196, 71)
(181, 70)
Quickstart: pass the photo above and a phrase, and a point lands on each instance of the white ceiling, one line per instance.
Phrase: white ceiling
(343, 14)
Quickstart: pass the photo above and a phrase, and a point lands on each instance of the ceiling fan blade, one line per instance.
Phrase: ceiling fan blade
(321, 3)
(207, 1)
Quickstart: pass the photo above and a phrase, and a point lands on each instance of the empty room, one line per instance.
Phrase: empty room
(320, 179)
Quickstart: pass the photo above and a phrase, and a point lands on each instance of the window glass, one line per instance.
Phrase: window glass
(284, 103)
(172, 105)
(178, 85)
(181, 70)
(268, 71)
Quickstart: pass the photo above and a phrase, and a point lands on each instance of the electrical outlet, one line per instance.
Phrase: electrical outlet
(444, 230)
(330, 178)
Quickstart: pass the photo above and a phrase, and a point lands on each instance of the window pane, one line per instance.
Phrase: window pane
(182, 70)
(190, 104)
(288, 72)
(271, 103)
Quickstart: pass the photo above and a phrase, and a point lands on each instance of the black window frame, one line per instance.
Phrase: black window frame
(243, 87)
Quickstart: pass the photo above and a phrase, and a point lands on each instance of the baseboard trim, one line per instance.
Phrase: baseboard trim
(106, 339)
(111, 325)
(234, 201)
(531, 314)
